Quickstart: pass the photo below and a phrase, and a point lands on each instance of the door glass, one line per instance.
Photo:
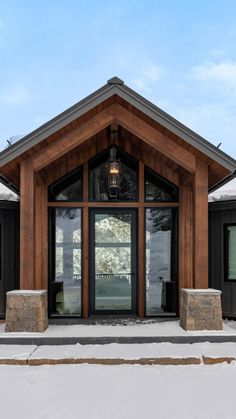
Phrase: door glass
(113, 272)
(65, 290)
(160, 288)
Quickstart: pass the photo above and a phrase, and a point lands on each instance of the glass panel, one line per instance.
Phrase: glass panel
(99, 180)
(158, 189)
(231, 252)
(68, 188)
(160, 289)
(113, 262)
(71, 193)
(65, 291)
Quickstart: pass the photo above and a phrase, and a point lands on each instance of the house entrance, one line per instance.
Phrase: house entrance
(113, 260)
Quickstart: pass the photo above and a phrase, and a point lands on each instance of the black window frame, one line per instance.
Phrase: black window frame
(226, 252)
(102, 157)
(66, 181)
(165, 185)
(52, 259)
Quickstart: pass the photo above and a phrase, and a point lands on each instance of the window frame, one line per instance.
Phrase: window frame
(101, 158)
(163, 181)
(226, 253)
(66, 182)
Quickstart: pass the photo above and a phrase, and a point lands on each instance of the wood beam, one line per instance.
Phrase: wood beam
(85, 264)
(141, 245)
(185, 237)
(200, 218)
(41, 237)
(27, 225)
(85, 246)
(113, 204)
(156, 139)
(73, 139)
(69, 163)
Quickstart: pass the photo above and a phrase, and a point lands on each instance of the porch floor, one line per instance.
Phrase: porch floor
(119, 331)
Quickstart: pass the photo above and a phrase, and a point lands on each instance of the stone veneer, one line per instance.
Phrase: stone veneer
(26, 311)
(200, 309)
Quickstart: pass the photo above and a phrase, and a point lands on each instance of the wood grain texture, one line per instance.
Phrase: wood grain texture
(185, 237)
(156, 139)
(200, 213)
(85, 263)
(27, 226)
(73, 139)
(41, 237)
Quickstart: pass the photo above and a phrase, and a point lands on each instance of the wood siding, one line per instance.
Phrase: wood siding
(9, 247)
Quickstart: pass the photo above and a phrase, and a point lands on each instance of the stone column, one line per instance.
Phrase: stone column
(200, 309)
(26, 311)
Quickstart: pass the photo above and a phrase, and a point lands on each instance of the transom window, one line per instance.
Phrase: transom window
(113, 176)
(102, 188)
(159, 189)
(69, 188)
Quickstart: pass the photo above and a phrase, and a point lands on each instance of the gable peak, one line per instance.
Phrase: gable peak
(115, 80)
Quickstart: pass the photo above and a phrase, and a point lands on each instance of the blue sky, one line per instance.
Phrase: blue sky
(179, 54)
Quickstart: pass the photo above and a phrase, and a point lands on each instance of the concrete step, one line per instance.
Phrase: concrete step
(116, 354)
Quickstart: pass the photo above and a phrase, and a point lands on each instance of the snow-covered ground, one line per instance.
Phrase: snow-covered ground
(117, 392)
(145, 328)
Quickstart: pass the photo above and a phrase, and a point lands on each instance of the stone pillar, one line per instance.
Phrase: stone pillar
(200, 309)
(26, 311)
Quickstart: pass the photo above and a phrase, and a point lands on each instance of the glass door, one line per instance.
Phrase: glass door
(113, 260)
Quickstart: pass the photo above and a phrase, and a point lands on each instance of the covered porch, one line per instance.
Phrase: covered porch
(154, 218)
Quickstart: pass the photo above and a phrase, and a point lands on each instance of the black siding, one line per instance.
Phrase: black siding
(220, 214)
(9, 247)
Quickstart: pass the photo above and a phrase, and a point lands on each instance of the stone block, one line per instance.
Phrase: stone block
(200, 309)
(26, 311)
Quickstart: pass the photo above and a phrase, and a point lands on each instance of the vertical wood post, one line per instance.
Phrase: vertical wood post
(41, 237)
(26, 225)
(85, 247)
(200, 213)
(185, 236)
(141, 245)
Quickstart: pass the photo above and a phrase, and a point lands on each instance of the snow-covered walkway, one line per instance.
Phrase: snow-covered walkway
(118, 392)
(113, 354)
(148, 328)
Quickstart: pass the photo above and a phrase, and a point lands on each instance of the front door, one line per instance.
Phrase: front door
(113, 260)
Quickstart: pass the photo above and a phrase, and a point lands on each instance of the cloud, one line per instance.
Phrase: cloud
(213, 120)
(14, 95)
(148, 75)
(223, 72)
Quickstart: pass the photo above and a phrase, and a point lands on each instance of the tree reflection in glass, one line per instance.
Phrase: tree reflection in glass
(160, 290)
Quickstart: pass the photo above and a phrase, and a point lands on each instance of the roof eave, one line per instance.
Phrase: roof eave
(116, 86)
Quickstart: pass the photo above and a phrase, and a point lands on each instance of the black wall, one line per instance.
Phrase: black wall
(9, 250)
(220, 214)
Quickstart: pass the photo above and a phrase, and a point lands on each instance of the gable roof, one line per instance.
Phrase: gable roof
(116, 86)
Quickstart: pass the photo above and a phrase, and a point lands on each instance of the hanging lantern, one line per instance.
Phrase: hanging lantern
(114, 174)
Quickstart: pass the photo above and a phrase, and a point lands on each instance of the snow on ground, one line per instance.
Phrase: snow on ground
(117, 392)
(16, 352)
(145, 328)
(135, 351)
(119, 351)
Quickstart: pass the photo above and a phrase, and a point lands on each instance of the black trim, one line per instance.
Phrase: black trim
(125, 158)
(174, 268)
(226, 253)
(51, 259)
(66, 181)
(92, 213)
(162, 183)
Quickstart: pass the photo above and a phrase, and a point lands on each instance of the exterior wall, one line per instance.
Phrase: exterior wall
(9, 245)
(221, 213)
